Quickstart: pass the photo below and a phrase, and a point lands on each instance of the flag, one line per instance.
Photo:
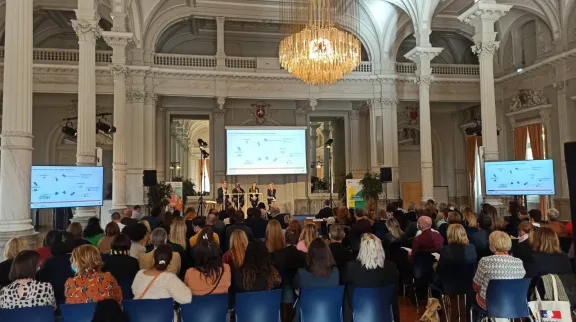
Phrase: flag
(550, 314)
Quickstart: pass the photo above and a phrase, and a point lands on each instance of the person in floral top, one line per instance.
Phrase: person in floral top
(90, 285)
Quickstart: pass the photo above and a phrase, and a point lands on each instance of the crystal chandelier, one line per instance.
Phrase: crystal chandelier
(315, 50)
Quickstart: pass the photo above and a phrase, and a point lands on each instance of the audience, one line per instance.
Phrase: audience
(121, 265)
(146, 242)
(457, 254)
(210, 275)
(320, 271)
(496, 267)
(547, 257)
(178, 235)
(343, 216)
(137, 212)
(234, 257)
(75, 229)
(535, 216)
(239, 224)
(497, 222)
(326, 211)
(275, 214)
(57, 269)
(274, 236)
(470, 221)
(12, 248)
(453, 218)
(218, 226)
(258, 272)
(341, 254)
(105, 243)
(257, 224)
(361, 226)
(555, 224)
(515, 220)
(115, 217)
(90, 285)
(523, 248)
(480, 239)
(44, 251)
(157, 283)
(154, 220)
(395, 235)
(307, 236)
(289, 259)
(127, 219)
(428, 241)
(137, 234)
(296, 226)
(108, 311)
(160, 237)
(25, 290)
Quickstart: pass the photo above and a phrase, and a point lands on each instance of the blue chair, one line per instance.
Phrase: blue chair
(505, 299)
(258, 306)
(321, 304)
(374, 304)
(161, 310)
(31, 314)
(207, 308)
(77, 312)
(457, 283)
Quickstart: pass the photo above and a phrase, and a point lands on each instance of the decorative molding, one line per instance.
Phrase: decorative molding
(546, 63)
(118, 70)
(313, 103)
(118, 39)
(486, 12)
(87, 30)
(424, 80)
(409, 115)
(151, 98)
(527, 98)
(560, 86)
(486, 49)
(221, 100)
(423, 53)
(135, 97)
(530, 115)
(354, 114)
(261, 113)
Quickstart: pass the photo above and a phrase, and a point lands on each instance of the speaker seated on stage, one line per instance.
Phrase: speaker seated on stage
(237, 198)
(221, 191)
(326, 211)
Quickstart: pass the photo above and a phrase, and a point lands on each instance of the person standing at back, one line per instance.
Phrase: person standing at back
(137, 212)
(115, 217)
(326, 211)
(127, 219)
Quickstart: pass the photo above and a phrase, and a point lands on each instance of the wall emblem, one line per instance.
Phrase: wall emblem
(261, 113)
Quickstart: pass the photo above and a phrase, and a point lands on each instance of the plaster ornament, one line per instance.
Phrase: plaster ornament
(527, 98)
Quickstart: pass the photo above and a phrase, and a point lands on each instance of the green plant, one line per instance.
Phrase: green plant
(318, 184)
(188, 189)
(371, 189)
(159, 195)
(341, 185)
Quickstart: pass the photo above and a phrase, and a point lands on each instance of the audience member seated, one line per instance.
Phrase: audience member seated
(57, 269)
(90, 285)
(403, 221)
(93, 232)
(555, 224)
(275, 214)
(458, 253)
(326, 210)
(217, 226)
(12, 248)
(369, 270)
(547, 257)
(160, 237)
(499, 266)
(108, 311)
(395, 235)
(146, 242)
(307, 236)
(137, 234)
(158, 283)
(296, 226)
(274, 236)
(164, 220)
(523, 248)
(75, 229)
(105, 243)
(137, 212)
(320, 271)
(258, 272)
(515, 220)
(428, 241)
(238, 224)
(535, 216)
(44, 251)
(480, 239)
(115, 217)
(411, 214)
(341, 254)
(121, 265)
(25, 290)
(470, 221)
(343, 216)
(127, 220)
(188, 220)
(210, 275)
(453, 218)
(497, 222)
(257, 224)
(360, 227)
(178, 242)
(234, 257)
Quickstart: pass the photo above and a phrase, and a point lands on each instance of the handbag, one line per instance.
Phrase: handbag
(431, 313)
(550, 311)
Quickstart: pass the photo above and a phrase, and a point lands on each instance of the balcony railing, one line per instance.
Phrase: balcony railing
(364, 67)
(241, 62)
(441, 69)
(64, 56)
(184, 60)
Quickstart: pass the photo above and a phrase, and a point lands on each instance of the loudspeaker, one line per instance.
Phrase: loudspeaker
(570, 156)
(149, 178)
(385, 174)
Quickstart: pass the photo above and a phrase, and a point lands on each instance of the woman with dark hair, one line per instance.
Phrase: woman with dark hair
(93, 232)
(321, 270)
(105, 243)
(258, 272)
(44, 251)
(137, 234)
(210, 276)
(158, 283)
(108, 311)
(121, 265)
(75, 229)
(25, 291)
(56, 269)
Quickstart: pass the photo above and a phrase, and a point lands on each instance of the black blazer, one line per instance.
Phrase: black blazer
(56, 270)
(324, 213)
(341, 254)
(124, 269)
(220, 196)
(5, 267)
(258, 227)
(480, 241)
(289, 258)
(455, 257)
(542, 264)
(522, 250)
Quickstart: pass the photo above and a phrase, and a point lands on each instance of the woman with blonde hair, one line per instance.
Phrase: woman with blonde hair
(470, 221)
(394, 236)
(274, 236)
(306, 237)
(455, 256)
(90, 285)
(178, 233)
(236, 254)
(12, 248)
(547, 257)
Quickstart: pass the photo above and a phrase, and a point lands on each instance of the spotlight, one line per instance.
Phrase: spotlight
(204, 153)
(328, 143)
(519, 70)
(68, 130)
(202, 143)
(105, 128)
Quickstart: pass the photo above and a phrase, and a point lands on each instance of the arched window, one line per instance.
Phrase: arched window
(529, 43)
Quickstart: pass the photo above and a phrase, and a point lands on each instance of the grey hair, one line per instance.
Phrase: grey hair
(371, 255)
(158, 237)
(274, 210)
(411, 206)
(337, 232)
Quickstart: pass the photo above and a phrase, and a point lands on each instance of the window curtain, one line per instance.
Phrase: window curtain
(537, 144)
(203, 172)
(472, 143)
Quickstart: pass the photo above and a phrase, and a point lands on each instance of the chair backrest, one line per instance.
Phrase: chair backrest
(258, 306)
(423, 264)
(77, 312)
(161, 310)
(458, 280)
(207, 308)
(374, 304)
(508, 299)
(565, 243)
(321, 304)
(31, 314)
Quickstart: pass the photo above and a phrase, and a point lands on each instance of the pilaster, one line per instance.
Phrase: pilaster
(161, 140)
(563, 133)
(220, 53)
(219, 146)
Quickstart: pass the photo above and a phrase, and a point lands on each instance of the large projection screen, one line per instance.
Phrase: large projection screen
(265, 150)
(66, 186)
(517, 178)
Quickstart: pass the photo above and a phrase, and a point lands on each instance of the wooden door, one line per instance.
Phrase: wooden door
(412, 192)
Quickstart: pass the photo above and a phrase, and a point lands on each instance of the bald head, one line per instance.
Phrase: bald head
(424, 222)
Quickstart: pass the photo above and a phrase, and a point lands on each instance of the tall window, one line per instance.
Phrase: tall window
(478, 183)
(533, 201)
(206, 177)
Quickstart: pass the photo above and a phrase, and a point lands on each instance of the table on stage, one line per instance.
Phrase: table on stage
(247, 201)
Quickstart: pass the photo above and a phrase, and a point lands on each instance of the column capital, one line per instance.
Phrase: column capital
(87, 29)
(118, 39)
(484, 11)
(313, 103)
(486, 49)
(219, 113)
(220, 19)
(118, 70)
(151, 98)
(560, 86)
(135, 96)
(419, 54)
(354, 114)
(221, 100)
(424, 80)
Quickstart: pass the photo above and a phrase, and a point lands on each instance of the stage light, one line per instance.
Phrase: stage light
(328, 143)
(68, 130)
(105, 128)
(202, 143)
(204, 153)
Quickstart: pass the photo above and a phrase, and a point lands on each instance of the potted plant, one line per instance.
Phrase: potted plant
(341, 186)
(371, 190)
(159, 195)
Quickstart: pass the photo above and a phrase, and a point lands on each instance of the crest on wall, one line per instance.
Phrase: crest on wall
(261, 113)
(409, 115)
(527, 98)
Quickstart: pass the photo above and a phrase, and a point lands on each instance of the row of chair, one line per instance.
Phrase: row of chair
(317, 305)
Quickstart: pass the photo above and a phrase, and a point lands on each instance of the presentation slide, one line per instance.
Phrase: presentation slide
(517, 178)
(269, 150)
(66, 186)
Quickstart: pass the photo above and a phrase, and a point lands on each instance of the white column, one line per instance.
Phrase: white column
(220, 53)
(135, 165)
(482, 15)
(87, 29)
(160, 153)
(218, 147)
(355, 158)
(422, 57)
(564, 124)
(326, 133)
(375, 115)
(16, 156)
(390, 135)
(460, 173)
(119, 41)
(150, 124)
